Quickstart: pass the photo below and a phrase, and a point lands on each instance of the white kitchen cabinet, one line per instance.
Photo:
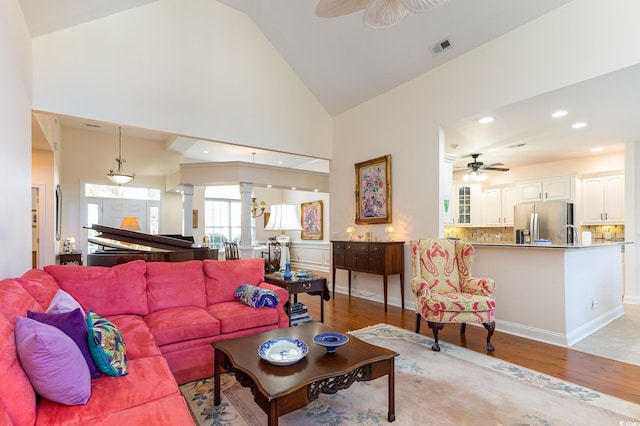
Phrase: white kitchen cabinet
(560, 188)
(498, 206)
(467, 205)
(603, 200)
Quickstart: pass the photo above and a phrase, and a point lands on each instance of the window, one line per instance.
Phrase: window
(222, 214)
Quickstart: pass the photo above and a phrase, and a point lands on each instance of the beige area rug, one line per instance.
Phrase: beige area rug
(619, 340)
(454, 386)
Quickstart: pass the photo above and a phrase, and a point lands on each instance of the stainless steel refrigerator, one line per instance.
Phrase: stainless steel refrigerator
(545, 220)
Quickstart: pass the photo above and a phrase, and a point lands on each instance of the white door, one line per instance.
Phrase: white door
(115, 209)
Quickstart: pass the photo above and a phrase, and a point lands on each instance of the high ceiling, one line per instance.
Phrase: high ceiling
(343, 62)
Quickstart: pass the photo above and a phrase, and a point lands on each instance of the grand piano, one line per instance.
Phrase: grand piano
(122, 246)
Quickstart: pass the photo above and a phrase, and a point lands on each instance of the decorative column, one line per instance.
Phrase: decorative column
(187, 210)
(246, 242)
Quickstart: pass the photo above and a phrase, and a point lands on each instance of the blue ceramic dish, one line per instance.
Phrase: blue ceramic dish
(283, 350)
(330, 340)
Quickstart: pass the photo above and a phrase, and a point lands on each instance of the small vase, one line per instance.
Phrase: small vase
(287, 271)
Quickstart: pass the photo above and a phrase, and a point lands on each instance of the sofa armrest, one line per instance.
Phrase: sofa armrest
(282, 293)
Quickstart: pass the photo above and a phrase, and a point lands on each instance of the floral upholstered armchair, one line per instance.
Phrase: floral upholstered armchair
(445, 290)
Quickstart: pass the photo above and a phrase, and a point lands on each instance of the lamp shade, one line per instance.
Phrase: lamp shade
(284, 217)
(130, 223)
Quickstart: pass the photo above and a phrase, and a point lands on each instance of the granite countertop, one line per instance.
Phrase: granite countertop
(594, 244)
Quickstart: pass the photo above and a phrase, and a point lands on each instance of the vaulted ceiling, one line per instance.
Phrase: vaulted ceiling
(344, 63)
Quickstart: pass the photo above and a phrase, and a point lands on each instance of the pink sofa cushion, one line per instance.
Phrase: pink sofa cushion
(175, 284)
(15, 301)
(235, 316)
(179, 324)
(121, 289)
(137, 336)
(169, 410)
(40, 285)
(223, 277)
(17, 397)
(148, 379)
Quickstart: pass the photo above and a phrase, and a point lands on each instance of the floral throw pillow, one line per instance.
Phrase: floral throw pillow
(255, 296)
(106, 345)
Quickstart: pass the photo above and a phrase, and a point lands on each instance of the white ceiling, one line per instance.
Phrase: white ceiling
(344, 63)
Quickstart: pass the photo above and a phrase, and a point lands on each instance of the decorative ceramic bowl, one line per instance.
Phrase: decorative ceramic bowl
(283, 350)
(330, 340)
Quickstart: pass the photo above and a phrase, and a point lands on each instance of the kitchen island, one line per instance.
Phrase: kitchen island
(557, 294)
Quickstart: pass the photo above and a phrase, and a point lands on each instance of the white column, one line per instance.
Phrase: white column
(187, 210)
(246, 242)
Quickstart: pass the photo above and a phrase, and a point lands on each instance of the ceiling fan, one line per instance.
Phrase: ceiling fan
(476, 169)
(378, 13)
(476, 165)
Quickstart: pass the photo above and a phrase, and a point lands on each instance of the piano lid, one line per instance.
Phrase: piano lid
(136, 241)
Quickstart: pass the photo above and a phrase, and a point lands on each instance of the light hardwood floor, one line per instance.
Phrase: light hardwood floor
(618, 379)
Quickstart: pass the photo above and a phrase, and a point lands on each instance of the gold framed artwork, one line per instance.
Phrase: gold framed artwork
(311, 220)
(373, 190)
(194, 219)
(266, 216)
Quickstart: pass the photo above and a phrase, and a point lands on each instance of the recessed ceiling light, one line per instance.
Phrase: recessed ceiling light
(279, 162)
(560, 113)
(269, 186)
(596, 149)
(579, 125)
(293, 188)
(205, 152)
(486, 120)
(315, 190)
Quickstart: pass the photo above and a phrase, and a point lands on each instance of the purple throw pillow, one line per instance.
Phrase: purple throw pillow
(53, 362)
(73, 325)
(64, 302)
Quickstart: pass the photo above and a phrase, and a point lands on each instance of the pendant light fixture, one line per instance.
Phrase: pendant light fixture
(119, 177)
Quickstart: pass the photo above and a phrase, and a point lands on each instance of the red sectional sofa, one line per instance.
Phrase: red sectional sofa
(168, 314)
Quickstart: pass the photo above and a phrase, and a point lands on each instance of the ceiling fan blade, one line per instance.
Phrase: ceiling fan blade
(497, 169)
(384, 13)
(421, 5)
(333, 8)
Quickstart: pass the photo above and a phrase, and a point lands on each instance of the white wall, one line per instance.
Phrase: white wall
(15, 140)
(578, 41)
(196, 68)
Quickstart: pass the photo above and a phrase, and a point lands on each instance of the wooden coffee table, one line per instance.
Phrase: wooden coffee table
(279, 390)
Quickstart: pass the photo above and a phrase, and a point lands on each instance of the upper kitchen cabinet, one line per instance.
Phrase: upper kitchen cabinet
(467, 205)
(498, 206)
(603, 200)
(559, 188)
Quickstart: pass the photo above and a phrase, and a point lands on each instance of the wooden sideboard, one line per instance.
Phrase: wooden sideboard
(380, 258)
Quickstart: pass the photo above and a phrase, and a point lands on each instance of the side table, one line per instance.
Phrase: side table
(315, 285)
(70, 258)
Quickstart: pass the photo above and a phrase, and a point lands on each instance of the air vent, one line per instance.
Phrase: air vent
(440, 47)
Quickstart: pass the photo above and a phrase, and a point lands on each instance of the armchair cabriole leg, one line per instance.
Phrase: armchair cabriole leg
(435, 326)
(463, 328)
(418, 318)
(490, 326)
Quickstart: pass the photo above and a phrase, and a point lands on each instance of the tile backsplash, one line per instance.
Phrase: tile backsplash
(506, 234)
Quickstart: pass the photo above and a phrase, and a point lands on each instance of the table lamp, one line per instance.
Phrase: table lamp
(284, 217)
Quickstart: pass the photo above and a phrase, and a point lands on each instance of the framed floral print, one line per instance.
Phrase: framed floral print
(311, 218)
(373, 191)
